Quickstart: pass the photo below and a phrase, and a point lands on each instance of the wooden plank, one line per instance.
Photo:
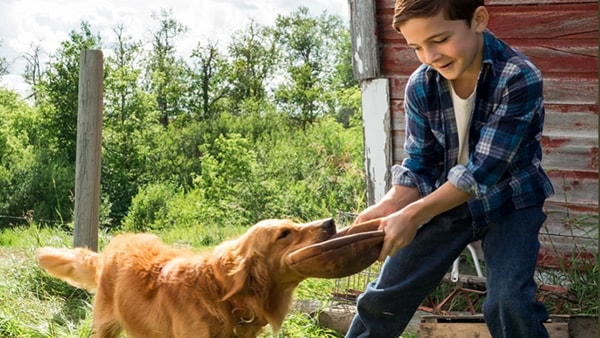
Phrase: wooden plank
(575, 57)
(576, 120)
(545, 22)
(576, 189)
(566, 21)
(560, 164)
(536, 2)
(397, 85)
(378, 147)
(573, 174)
(583, 326)
(467, 326)
(479, 330)
(365, 56)
(576, 154)
(398, 59)
(579, 90)
(582, 90)
(445, 330)
(389, 4)
(572, 57)
(561, 121)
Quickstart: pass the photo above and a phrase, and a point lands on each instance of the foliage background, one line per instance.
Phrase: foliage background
(269, 127)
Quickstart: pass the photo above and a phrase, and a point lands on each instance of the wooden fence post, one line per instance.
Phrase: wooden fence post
(89, 148)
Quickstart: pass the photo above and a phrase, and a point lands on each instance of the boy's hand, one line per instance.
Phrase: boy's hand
(372, 212)
(395, 199)
(401, 227)
(400, 230)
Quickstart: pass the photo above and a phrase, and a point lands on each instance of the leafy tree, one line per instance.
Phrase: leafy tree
(52, 172)
(60, 93)
(344, 101)
(17, 159)
(253, 54)
(301, 174)
(208, 88)
(129, 122)
(3, 63)
(150, 207)
(228, 177)
(343, 74)
(33, 70)
(308, 61)
(173, 154)
(167, 71)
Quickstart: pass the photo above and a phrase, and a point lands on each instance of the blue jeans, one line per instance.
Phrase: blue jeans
(510, 248)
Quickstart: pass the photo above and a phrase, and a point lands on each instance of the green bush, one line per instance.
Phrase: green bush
(286, 173)
(149, 207)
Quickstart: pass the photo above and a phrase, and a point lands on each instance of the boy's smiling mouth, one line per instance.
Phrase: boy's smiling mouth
(444, 66)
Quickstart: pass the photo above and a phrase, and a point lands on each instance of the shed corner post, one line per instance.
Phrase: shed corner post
(375, 98)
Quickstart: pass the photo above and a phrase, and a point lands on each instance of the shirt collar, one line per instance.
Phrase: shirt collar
(489, 41)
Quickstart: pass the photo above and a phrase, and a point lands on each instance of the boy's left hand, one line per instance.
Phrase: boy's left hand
(400, 230)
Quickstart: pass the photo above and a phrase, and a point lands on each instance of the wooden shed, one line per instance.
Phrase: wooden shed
(561, 38)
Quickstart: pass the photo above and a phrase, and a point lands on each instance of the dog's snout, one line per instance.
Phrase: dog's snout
(329, 225)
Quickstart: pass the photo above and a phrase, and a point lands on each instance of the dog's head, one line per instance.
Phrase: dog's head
(255, 266)
(266, 244)
(272, 240)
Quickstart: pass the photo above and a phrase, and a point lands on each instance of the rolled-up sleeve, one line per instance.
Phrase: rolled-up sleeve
(424, 161)
(462, 179)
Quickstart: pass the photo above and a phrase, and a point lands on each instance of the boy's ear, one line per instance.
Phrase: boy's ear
(480, 19)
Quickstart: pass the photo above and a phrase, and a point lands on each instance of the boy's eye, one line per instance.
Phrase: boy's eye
(442, 40)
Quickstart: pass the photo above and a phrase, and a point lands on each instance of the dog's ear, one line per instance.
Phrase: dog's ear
(249, 275)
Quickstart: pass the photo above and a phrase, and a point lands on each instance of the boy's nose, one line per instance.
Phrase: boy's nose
(430, 55)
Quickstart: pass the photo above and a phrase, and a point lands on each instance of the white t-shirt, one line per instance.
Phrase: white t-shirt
(463, 110)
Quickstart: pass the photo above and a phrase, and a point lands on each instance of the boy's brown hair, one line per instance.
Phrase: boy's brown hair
(452, 9)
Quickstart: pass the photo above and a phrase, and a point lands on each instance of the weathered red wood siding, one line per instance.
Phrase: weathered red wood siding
(561, 38)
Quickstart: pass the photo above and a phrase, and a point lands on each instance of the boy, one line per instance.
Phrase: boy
(474, 118)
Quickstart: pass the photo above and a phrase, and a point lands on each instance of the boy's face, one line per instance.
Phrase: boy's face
(449, 46)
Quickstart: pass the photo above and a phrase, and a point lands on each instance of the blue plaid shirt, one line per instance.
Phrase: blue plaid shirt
(504, 170)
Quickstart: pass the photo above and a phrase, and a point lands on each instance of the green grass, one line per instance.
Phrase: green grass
(34, 304)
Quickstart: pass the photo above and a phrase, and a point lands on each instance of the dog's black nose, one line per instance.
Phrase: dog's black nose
(329, 225)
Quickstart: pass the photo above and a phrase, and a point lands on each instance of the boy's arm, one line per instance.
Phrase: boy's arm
(401, 226)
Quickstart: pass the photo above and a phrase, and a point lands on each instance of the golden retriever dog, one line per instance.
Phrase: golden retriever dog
(149, 289)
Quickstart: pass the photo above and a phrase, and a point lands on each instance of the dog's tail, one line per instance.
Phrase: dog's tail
(78, 267)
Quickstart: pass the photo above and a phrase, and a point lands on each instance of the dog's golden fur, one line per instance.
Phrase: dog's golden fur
(150, 289)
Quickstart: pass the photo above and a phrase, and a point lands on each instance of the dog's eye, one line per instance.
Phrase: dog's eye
(283, 234)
